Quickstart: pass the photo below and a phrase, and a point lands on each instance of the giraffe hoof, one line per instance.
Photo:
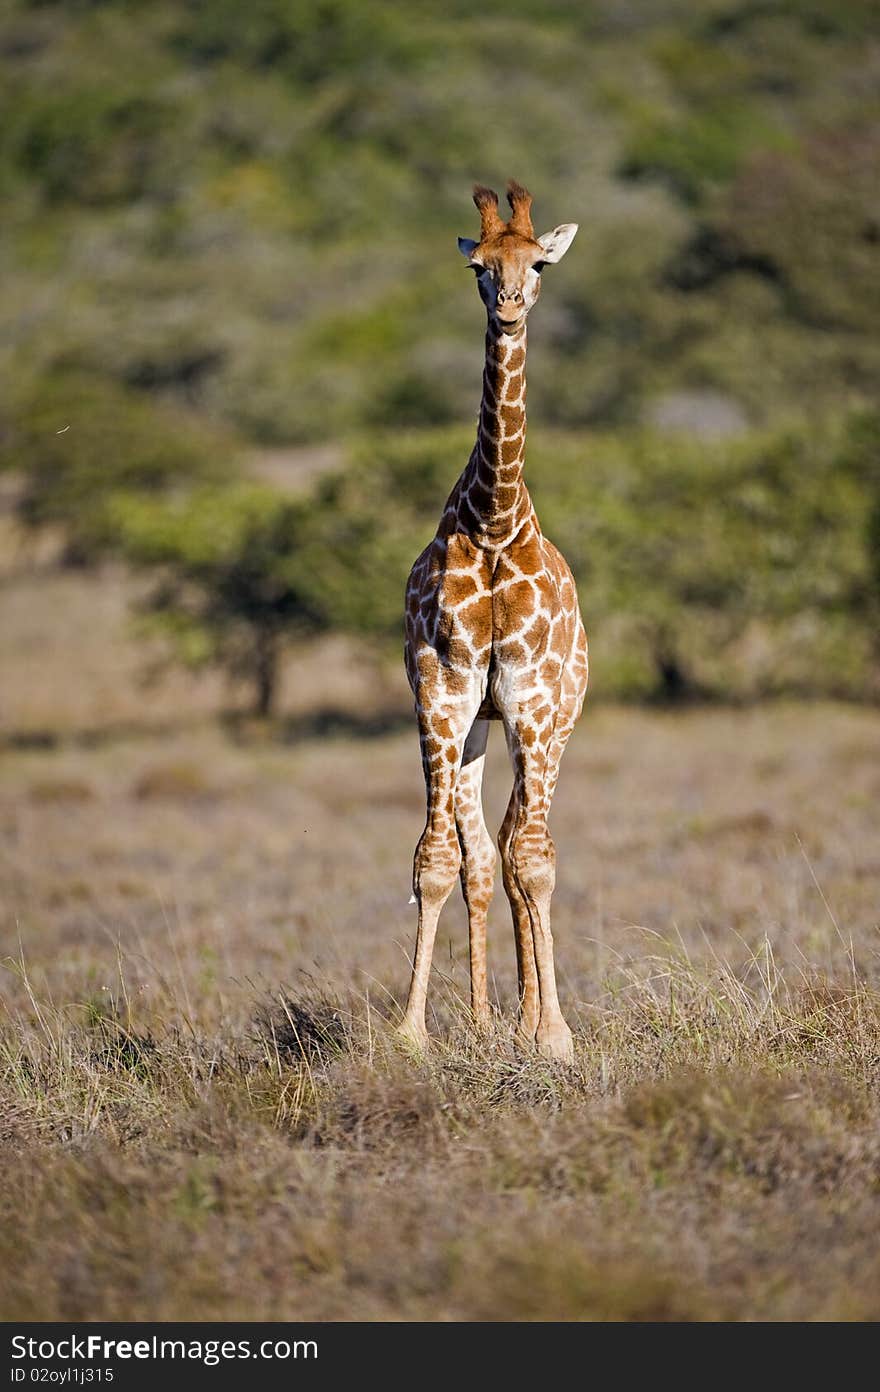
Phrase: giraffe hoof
(524, 1036)
(555, 1041)
(412, 1036)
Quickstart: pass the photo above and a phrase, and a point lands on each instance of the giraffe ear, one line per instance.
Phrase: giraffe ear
(556, 243)
(467, 247)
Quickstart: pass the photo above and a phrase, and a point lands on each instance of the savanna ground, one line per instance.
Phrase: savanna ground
(206, 934)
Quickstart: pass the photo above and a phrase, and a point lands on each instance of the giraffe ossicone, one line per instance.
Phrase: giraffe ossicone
(494, 632)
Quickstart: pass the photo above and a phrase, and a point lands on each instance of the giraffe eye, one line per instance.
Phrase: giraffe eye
(539, 266)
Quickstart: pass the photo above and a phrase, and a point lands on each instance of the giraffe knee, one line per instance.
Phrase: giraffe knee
(436, 866)
(532, 859)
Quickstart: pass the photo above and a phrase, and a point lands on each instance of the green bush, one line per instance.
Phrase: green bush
(304, 40)
(697, 151)
(77, 441)
(91, 145)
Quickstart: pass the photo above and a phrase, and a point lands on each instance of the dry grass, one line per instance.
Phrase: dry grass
(201, 1107)
(727, 1170)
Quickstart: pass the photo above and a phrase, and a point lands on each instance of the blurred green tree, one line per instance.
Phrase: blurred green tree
(243, 570)
(229, 585)
(78, 440)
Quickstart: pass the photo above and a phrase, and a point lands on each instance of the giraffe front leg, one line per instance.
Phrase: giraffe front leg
(435, 869)
(437, 861)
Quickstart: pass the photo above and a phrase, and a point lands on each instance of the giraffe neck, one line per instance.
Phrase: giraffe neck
(494, 501)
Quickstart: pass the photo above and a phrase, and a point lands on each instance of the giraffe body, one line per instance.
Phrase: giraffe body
(494, 632)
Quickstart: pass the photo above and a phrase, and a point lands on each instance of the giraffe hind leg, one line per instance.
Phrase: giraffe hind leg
(526, 968)
(529, 860)
(477, 861)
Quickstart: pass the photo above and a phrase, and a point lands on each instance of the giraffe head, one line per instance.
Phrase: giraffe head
(508, 259)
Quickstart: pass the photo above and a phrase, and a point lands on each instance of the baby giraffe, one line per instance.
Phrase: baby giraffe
(493, 632)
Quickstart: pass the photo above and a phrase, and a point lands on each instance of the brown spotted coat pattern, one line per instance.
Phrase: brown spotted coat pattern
(494, 632)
